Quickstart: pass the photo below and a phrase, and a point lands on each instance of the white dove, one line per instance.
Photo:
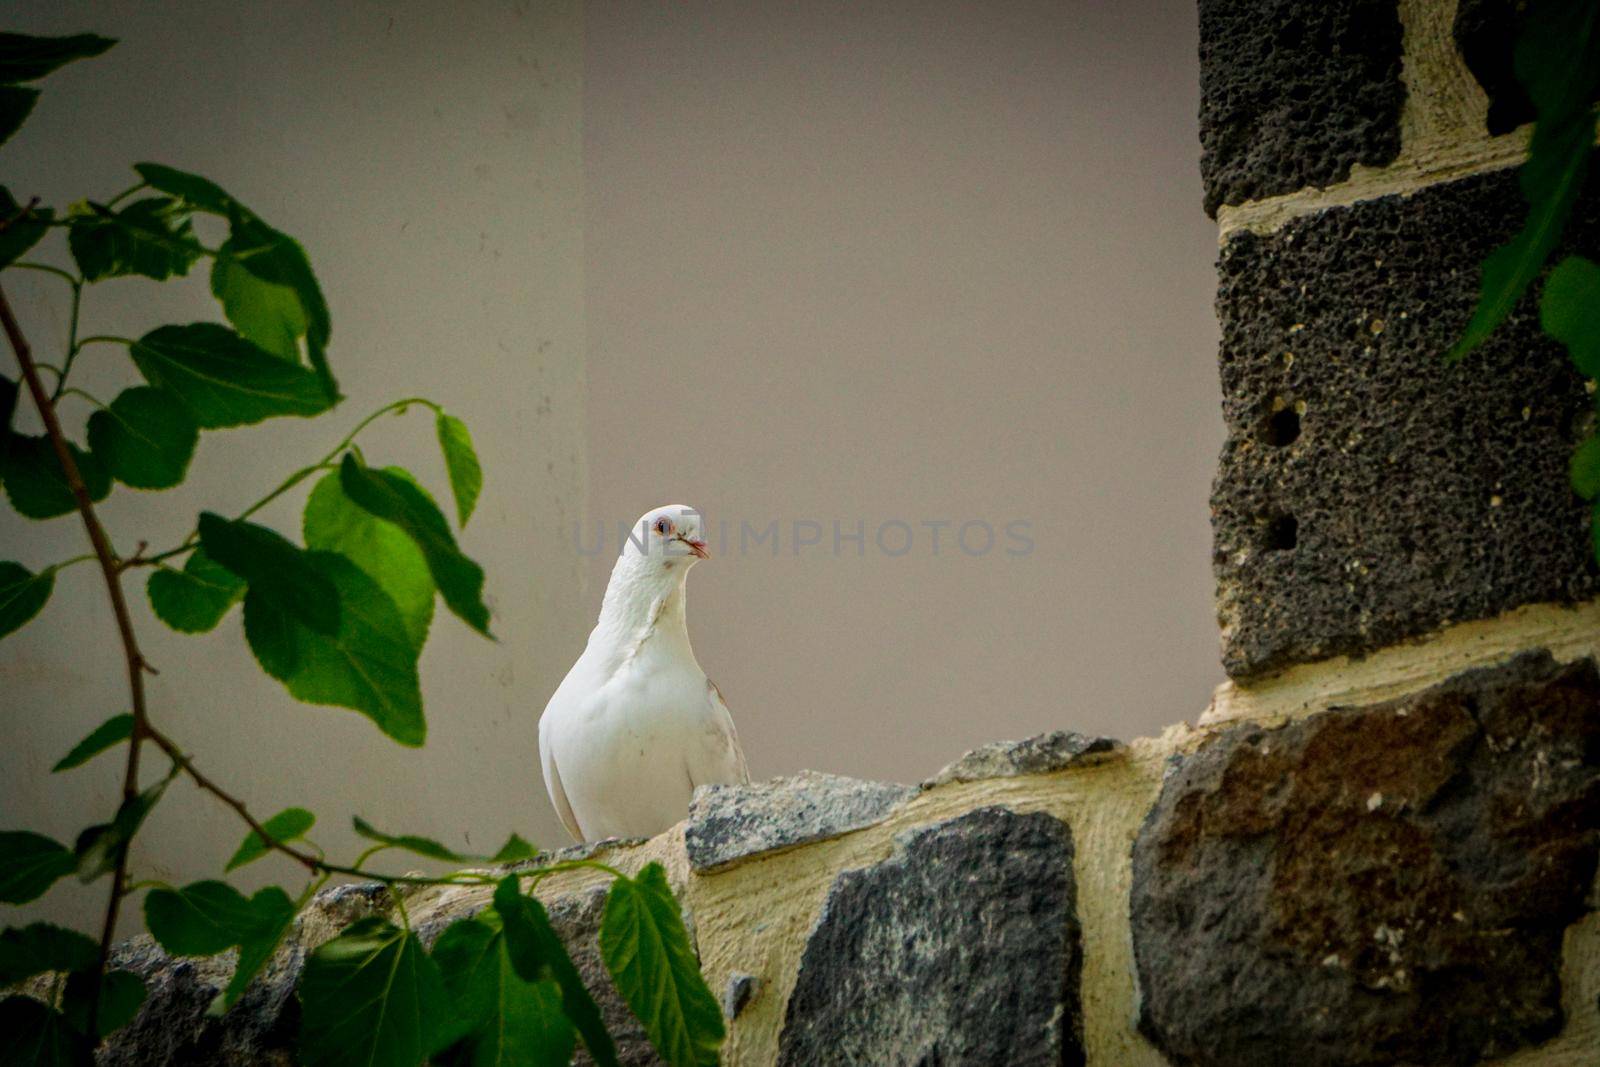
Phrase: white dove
(636, 725)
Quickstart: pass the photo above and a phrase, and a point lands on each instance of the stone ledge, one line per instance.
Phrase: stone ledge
(1384, 884)
(1019, 884)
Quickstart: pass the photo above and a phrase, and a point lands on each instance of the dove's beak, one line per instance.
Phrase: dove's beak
(697, 547)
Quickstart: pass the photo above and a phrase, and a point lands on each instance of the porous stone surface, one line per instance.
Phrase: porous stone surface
(731, 822)
(262, 1029)
(1387, 884)
(962, 948)
(1295, 92)
(1367, 492)
(1039, 754)
(172, 1026)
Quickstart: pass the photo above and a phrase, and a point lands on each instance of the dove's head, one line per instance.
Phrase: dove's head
(673, 534)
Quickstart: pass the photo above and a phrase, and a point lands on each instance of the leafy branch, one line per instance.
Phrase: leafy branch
(339, 620)
(1557, 61)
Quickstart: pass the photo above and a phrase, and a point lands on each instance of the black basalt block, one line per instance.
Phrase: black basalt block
(1295, 92)
(962, 948)
(1367, 492)
(1381, 885)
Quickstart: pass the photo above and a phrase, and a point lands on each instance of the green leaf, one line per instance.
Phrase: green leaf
(536, 952)
(274, 913)
(264, 313)
(514, 849)
(369, 666)
(113, 731)
(335, 523)
(461, 463)
(150, 237)
(1551, 178)
(371, 996)
(1584, 469)
(35, 483)
(266, 253)
(223, 379)
(1557, 59)
(508, 1021)
(397, 499)
(277, 258)
(646, 948)
(422, 846)
(145, 438)
(290, 824)
(41, 948)
(196, 598)
(36, 1036)
(209, 917)
(1594, 531)
(24, 233)
(199, 193)
(30, 863)
(273, 636)
(22, 595)
(16, 104)
(96, 847)
(121, 993)
(1569, 311)
(278, 572)
(24, 58)
(201, 919)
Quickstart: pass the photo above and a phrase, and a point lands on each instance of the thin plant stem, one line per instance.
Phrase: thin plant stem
(325, 463)
(314, 864)
(75, 391)
(72, 339)
(45, 268)
(135, 662)
(115, 200)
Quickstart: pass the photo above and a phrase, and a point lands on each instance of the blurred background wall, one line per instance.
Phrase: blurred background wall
(896, 267)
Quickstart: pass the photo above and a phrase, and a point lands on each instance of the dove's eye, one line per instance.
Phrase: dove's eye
(663, 526)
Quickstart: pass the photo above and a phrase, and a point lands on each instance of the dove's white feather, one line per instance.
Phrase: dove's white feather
(635, 726)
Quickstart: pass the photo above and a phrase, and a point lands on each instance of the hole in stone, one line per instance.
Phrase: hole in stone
(1282, 533)
(1281, 428)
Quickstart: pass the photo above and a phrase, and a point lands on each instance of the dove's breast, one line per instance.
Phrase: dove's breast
(630, 748)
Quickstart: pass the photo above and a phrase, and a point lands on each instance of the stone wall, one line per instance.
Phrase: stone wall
(1379, 844)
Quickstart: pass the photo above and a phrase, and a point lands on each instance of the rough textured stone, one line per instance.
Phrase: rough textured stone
(172, 1026)
(263, 1028)
(740, 990)
(1379, 885)
(1294, 92)
(1039, 754)
(963, 948)
(730, 822)
(1367, 492)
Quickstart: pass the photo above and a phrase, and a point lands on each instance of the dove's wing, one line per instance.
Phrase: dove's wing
(552, 782)
(727, 762)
